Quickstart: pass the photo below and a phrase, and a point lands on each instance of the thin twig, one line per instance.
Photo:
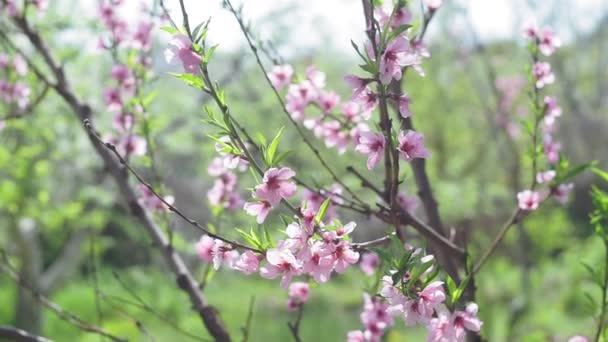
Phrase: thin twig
(54, 307)
(246, 329)
(308, 143)
(89, 126)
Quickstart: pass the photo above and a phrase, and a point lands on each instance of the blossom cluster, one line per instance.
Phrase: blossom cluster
(224, 192)
(545, 41)
(305, 251)
(416, 302)
(14, 92)
(130, 48)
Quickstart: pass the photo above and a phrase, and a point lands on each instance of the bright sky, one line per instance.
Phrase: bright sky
(315, 23)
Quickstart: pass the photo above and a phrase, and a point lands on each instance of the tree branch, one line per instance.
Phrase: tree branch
(184, 278)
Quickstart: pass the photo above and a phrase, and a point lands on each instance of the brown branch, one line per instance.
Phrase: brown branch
(18, 335)
(184, 278)
(89, 126)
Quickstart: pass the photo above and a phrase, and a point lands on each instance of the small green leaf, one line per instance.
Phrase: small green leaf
(169, 29)
(190, 79)
(272, 147)
(384, 255)
(562, 177)
(322, 211)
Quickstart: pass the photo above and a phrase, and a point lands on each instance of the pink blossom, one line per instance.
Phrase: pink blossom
(223, 193)
(411, 146)
(344, 256)
(299, 291)
(20, 65)
(106, 14)
(543, 74)
(21, 94)
(372, 145)
(335, 136)
(355, 132)
(319, 262)
(112, 98)
(441, 329)
(132, 145)
(223, 254)
(142, 38)
(204, 248)
(422, 309)
(433, 5)
(368, 101)
(553, 110)
(402, 16)
(280, 75)
(316, 125)
(149, 200)
(350, 110)
(530, 30)
(316, 77)
(295, 106)
(41, 5)
(562, 192)
(11, 8)
(552, 149)
(545, 176)
(375, 318)
(292, 305)
(548, 42)
(281, 262)
(247, 263)
(357, 83)
(369, 263)
(328, 100)
(578, 338)
(355, 336)
(528, 200)
(466, 320)
(121, 73)
(303, 93)
(123, 122)
(276, 185)
(180, 50)
(404, 105)
(393, 58)
(340, 232)
(260, 209)
(298, 235)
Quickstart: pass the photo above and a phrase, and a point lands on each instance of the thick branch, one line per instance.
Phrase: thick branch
(18, 335)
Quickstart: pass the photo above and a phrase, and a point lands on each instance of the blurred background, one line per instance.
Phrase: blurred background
(65, 226)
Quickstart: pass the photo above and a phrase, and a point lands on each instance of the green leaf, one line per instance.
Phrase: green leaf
(170, 29)
(322, 211)
(280, 157)
(191, 80)
(384, 255)
(357, 49)
(573, 172)
(600, 173)
(209, 53)
(272, 148)
(397, 31)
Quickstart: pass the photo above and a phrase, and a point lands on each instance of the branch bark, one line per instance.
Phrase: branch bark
(185, 280)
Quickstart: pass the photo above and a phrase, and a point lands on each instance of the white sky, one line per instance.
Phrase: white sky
(315, 23)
